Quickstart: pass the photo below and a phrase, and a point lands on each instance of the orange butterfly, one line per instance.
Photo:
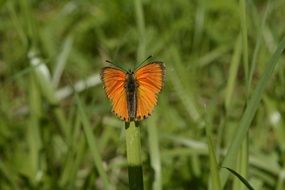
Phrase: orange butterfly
(133, 93)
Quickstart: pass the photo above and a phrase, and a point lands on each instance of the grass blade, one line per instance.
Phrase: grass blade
(61, 60)
(233, 73)
(250, 110)
(141, 29)
(244, 39)
(242, 179)
(154, 152)
(215, 176)
(242, 164)
(92, 144)
(258, 42)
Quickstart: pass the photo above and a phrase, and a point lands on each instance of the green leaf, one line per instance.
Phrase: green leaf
(242, 179)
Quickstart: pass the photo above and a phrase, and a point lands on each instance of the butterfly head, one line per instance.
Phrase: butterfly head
(130, 72)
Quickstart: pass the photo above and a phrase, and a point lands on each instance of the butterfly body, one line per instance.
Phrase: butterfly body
(133, 93)
(130, 86)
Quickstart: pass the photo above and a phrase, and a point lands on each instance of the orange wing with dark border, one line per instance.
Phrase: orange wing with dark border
(114, 80)
(150, 80)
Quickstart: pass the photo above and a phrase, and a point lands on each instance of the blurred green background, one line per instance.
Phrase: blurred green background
(56, 126)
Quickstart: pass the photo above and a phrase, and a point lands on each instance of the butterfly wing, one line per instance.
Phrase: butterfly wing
(114, 80)
(150, 80)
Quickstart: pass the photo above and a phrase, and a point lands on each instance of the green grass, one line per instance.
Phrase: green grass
(223, 103)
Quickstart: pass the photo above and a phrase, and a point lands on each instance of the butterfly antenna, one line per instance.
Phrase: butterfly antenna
(144, 61)
(109, 62)
(115, 64)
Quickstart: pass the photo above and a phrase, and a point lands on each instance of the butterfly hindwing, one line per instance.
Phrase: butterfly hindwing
(150, 79)
(114, 80)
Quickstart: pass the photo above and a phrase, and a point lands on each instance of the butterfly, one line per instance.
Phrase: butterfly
(133, 94)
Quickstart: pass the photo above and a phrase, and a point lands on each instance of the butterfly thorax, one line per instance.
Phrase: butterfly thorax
(131, 86)
(131, 83)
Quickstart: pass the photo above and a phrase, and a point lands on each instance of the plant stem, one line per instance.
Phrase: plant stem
(133, 142)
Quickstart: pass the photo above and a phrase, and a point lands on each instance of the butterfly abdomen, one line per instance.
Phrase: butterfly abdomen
(131, 95)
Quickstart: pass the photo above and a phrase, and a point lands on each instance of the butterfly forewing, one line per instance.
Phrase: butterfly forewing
(133, 98)
(114, 80)
(150, 79)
